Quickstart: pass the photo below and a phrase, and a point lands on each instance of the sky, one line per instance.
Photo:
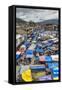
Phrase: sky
(36, 15)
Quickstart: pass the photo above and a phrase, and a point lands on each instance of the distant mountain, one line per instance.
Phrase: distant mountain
(20, 21)
(51, 21)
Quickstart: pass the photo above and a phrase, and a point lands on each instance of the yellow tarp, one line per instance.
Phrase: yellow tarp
(26, 75)
(55, 78)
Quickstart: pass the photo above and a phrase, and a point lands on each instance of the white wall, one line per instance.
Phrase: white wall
(4, 44)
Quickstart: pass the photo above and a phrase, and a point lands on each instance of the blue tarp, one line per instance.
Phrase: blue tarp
(27, 43)
(55, 64)
(37, 67)
(52, 65)
(18, 56)
(55, 72)
(29, 52)
(40, 50)
(48, 58)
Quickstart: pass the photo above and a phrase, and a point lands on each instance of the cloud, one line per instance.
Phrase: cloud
(36, 15)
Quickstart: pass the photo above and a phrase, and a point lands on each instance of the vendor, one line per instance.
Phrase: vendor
(20, 54)
(22, 49)
(35, 59)
(42, 58)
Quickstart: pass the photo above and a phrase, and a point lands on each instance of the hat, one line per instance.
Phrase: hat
(23, 46)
